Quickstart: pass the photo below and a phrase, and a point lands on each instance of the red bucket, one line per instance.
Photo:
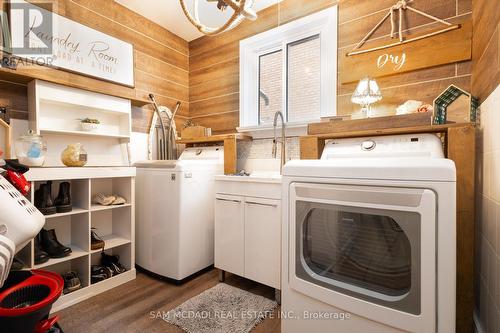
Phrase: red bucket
(26, 300)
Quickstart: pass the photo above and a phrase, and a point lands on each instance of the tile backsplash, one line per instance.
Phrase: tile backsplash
(487, 272)
(262, 149)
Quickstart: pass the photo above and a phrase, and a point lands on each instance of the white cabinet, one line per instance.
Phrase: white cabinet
(263, 241)
(229, 234)
(248, 230)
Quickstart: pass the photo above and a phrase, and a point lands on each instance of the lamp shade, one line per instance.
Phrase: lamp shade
(367, 92)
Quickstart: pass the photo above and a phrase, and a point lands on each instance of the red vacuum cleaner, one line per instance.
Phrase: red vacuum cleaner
(26, 300)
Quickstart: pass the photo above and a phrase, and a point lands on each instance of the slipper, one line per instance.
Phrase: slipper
(103, 199)
(119, 200)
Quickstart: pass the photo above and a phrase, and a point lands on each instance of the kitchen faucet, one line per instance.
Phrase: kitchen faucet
(283, 139)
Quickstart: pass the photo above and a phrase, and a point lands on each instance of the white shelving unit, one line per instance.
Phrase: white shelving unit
(116, 225)
(55, 112)
(81, 133)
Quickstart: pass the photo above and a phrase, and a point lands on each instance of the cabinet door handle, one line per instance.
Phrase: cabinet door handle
(228, 200)
(261, 204)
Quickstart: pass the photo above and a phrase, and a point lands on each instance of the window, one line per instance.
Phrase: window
(270, 86)
(303, 79)
(291, 69)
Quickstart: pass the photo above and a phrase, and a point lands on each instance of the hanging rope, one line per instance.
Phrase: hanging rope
(400, 7)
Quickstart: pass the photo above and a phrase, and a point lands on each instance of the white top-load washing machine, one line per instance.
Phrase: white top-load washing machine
(369, 238)
(175, 212)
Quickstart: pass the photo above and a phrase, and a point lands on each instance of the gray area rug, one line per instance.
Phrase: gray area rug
(221, 309)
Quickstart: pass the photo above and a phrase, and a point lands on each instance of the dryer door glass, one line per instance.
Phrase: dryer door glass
(367, 253)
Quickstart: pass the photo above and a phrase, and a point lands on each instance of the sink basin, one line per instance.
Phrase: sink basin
(258, 185)
(261, 177)
(267, 175)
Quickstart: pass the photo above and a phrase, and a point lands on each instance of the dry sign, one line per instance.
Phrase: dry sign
(445, 48)
(39, 36)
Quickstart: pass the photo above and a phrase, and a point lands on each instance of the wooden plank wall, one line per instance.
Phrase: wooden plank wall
(161, 60)
(214, 61)
(486, 47)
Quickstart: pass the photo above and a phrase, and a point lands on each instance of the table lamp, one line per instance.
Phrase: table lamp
(367, 92)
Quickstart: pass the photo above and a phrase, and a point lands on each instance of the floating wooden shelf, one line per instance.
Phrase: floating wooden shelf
(230, 147)
(385, 131)
(215, 138)
(139, 102)
(388, 122)
(26, 75)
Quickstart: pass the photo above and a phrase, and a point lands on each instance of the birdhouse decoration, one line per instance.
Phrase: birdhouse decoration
(455, 105)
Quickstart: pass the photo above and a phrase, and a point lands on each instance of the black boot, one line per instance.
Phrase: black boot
(51, 245)
(63, 200)
(40, 255)
(43, 200)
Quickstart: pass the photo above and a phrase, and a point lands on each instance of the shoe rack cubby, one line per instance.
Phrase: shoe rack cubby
(123, 251)
(114, 224)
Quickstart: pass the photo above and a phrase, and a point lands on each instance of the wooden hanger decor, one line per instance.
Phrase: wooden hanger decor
(446, 44)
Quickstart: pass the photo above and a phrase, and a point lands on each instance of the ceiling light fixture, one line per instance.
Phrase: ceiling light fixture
(242, 10)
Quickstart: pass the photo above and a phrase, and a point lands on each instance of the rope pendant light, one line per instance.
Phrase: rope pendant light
(242, 10)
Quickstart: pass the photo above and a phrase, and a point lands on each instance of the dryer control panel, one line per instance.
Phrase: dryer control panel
(419, 145)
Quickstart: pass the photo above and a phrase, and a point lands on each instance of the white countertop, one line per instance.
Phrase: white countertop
(59, 173)
(253, 178)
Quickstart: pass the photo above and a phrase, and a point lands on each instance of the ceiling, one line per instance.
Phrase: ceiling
(169, 14)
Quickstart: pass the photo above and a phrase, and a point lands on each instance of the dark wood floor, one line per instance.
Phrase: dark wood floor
(127, 308)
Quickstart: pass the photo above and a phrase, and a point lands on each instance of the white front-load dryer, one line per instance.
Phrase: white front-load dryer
(175, 213)
(369, 238)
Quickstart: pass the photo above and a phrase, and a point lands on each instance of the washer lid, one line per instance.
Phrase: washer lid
(195, 157)
(419, 169)
(156, 164)
(186, 165)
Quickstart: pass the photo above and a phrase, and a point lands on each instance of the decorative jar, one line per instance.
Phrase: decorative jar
(30, 149)
(74, 155)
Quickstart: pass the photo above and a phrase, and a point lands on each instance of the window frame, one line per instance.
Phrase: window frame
(322, 23)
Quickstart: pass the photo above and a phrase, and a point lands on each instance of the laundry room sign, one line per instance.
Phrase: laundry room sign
(39, 36)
